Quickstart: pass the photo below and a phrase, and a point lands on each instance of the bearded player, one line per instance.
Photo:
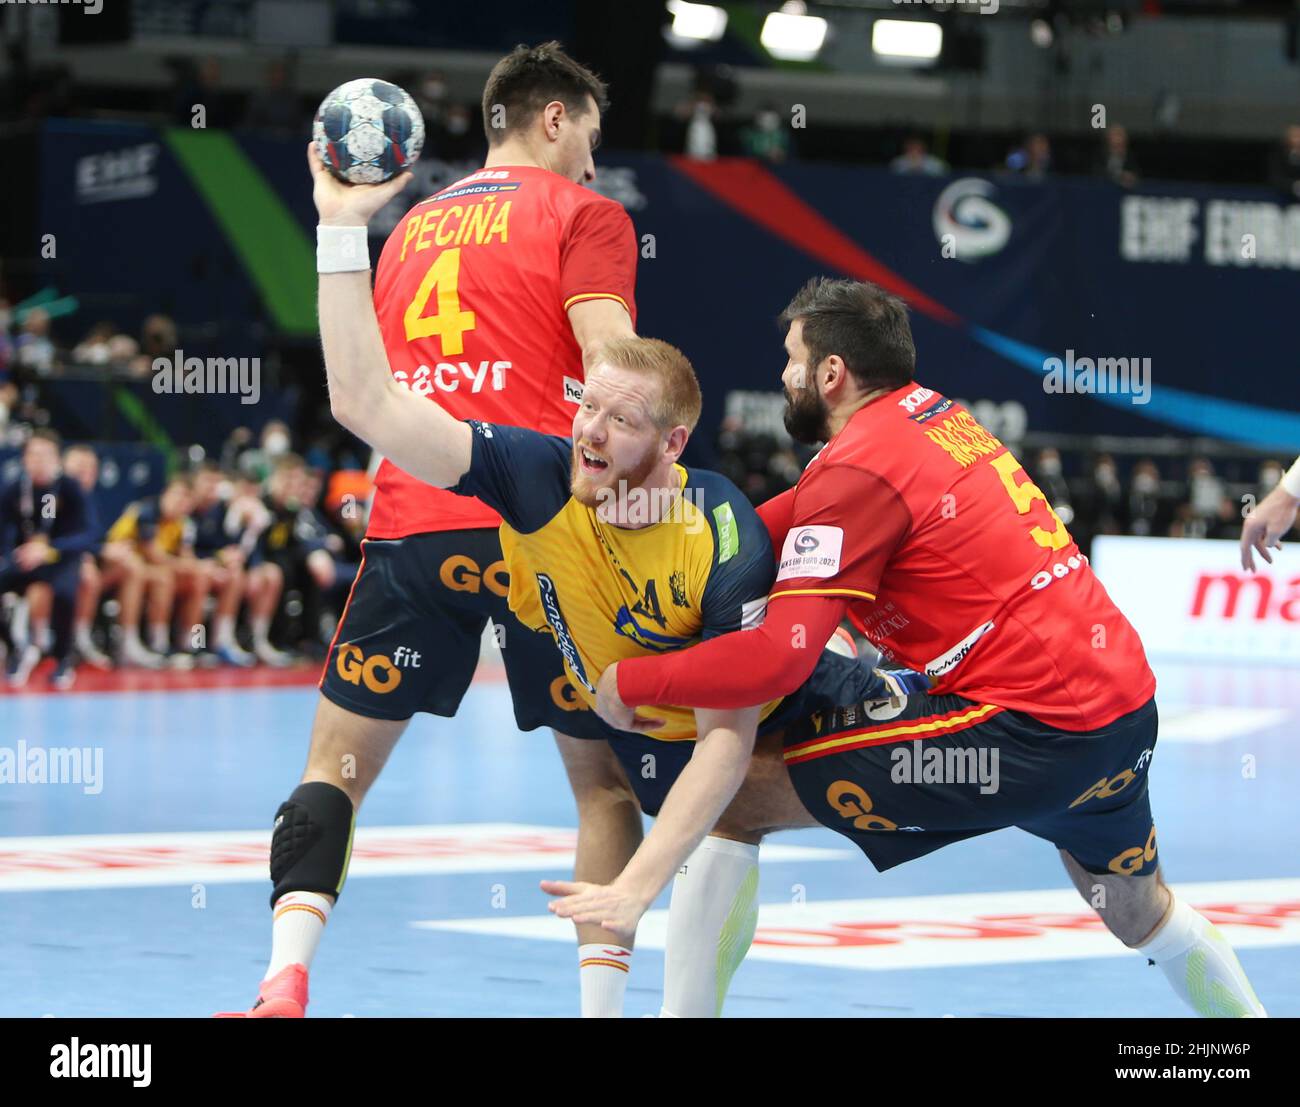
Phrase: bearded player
(923, 528)
(492, 296)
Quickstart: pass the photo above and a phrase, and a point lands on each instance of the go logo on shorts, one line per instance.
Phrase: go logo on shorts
(853, 803)
(377, 672)
(564, 696)
(462, 574)
(1108, 786)
(1131, 860)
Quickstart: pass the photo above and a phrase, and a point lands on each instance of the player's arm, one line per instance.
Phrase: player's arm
(417, 436)
(693, 805)
(1268, 522)
(598, 253)
(856, 521)
(594, 323)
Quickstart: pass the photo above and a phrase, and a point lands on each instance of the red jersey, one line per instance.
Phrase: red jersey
(472, 292)
(955, 565)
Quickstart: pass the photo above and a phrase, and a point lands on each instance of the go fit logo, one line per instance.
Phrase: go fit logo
(378, 672)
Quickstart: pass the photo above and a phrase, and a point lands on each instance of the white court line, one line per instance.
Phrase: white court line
(979, 928)
(232, 856)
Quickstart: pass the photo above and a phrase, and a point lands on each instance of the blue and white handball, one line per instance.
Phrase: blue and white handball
(368, 131)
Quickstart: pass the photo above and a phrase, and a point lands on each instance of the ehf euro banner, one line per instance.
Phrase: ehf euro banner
(1190, 598)
(1073, 302)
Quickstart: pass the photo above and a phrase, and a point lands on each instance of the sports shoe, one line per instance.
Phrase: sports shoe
(133, 652)
(92, 655)
(21, 664)
(64, 675)
(233, 655)
(267, 654)
(284, 996)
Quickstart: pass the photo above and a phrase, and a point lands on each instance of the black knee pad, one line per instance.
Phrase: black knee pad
(312, 841)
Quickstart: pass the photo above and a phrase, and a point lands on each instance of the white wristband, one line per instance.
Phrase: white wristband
(1291, 480)
(341, 249)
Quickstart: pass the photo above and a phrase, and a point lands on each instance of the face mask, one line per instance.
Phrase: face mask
(433, 90)
(1269, 477)
(1145, 483)
(457, 125)
(768, 121)
(276, 444)
(1050, 466)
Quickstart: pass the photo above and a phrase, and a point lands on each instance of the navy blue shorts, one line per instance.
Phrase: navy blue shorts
(410, 634)
(901, 782)
(653, 765)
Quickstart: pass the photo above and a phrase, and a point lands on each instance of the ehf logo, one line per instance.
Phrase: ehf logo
(806, 542)
(967, 223)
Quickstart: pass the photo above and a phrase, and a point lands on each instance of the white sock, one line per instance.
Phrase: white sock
(296, 928)
(131, 638)
(711, 922)
(602, 975)
(160, 638)
(1199, 963)
(225, 631)
(261, 628)
(41, 636)
(81, 635)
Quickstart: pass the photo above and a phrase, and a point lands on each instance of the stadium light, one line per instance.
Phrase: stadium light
(909, 39)
(790, 37)
(697, 22)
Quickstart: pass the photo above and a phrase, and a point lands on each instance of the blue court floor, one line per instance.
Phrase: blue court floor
(142, 890)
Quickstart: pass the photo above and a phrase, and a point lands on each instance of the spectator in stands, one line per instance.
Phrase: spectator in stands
(700, 114)
(162, 532)
(275, 108)
(916, 160)
(222, 540)
(44, 530)
(458, 140)
(1148, 511)
(111, 566)
(199, 86)
(34, 348)
(258, 462)
(1050, 478)
(93, 349)
(1115, 159)
(766, 137)
(294, 540)
(1284, 168)
(1205, 490)
(158, 338)
(1033, 159)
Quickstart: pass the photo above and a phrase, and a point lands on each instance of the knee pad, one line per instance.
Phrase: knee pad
(312, 841)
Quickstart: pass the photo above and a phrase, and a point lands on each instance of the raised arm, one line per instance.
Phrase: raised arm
(410, 430)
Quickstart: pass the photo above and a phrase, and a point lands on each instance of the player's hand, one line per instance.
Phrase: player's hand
(1265, 524)
(607, 906)
(611, 708)
(31, 555)
(345, 205)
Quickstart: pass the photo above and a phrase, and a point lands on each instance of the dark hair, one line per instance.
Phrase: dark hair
(862, 323)
(530, 77)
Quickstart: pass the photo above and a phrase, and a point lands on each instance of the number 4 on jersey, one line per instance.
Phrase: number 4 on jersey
(448, 322)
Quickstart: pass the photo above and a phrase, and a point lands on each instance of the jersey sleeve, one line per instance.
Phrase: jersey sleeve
(521, 473)
(598, 256)
(735, 594)
(845, 524)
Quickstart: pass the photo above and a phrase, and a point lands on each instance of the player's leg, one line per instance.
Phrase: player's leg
(1107, 841)
(161, 589)
(265, 583)
(398, 650)
(714, 907)
(89, 591)
(228, 582)
(193, 583)
(64, 582)
(125, 573)
(40, 603)
(609, 832)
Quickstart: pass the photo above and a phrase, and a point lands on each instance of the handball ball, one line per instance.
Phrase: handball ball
(368, 131)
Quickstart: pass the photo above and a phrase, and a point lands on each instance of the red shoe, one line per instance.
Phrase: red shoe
(283, 996)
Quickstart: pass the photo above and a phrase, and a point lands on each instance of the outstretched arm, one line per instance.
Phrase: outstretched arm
(414, 433)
